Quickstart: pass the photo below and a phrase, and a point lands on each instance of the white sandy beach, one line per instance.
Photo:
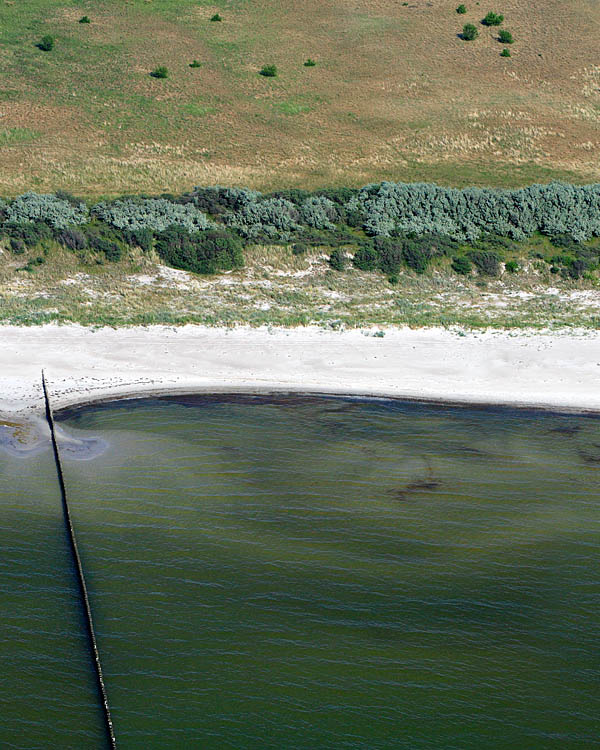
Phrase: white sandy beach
(558, 370)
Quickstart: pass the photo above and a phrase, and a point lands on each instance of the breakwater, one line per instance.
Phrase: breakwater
(80, 575)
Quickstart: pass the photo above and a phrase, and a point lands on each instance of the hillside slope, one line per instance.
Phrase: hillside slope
(395, 94)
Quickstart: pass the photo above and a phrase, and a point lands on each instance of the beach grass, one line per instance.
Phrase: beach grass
(279, 288)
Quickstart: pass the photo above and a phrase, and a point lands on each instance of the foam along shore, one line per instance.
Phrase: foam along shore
(549, 370)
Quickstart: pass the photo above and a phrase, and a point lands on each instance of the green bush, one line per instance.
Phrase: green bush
(391, 256)
(505, 36)
(492, 19)
(310, 63)
(269, 71)
(416, 255)
(216, 17)
(337, 260)
(462, 265)
(366, 258)
(46, 43)
(393, 279)
(469, 32)
(17, 246)
(84, 19)
(199, 252)
(142, 238)
(195, 64)
(461, 10)
(505, 53)
(30, 233)
(160, 72)
(511, 266)
(486, 262)
(72, 238)
(299, 248)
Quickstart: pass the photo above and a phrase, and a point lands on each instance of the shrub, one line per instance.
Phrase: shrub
(390, 254)
(299, 248)
(269, 71)
(415, 255)
(220, 200)
(505, 53)
(46, 43)
(366, 258)
(160, 72)
(486, 262)
(199, 252)
(492, 19)
(270, 218)
(74, 239)
(469, 32)
(55, 211)
(511, 266)
(142, 238)
(337, 260)
(84, 19)
(556, 208)
(151, 213)
(195, 64)
(462, 265)
(216, 18)
(319, 212)
(309, 63)
(461, 10)
(17, 246)
(394, 279)
(112, 251)
(30, 233)
(505, 37)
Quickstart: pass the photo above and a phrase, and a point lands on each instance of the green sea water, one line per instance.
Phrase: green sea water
(296, 572)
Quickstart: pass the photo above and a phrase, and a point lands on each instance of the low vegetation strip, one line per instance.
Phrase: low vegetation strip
(385, 226)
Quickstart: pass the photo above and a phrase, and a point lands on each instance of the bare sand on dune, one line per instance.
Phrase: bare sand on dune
(549, 370)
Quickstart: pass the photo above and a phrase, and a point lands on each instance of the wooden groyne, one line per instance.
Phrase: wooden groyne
(80, 576)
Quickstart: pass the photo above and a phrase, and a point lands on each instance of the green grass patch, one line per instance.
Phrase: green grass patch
(17, 135)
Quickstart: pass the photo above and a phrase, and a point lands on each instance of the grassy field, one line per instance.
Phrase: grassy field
(279, 288)
(395, 94)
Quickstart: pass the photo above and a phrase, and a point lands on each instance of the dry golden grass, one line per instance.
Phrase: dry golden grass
(395, 94)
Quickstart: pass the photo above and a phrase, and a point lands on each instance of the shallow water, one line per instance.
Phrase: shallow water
(319, 573)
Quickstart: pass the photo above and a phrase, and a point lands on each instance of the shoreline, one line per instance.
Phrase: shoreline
(554, 371)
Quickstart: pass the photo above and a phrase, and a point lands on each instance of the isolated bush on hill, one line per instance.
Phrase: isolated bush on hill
(199, 252)
(505, 36)
(160, 72)
(46, 43)
(151, 213)
(492, 19)
(461, 10)
(55, 211)
(269, 71)
(469, 32)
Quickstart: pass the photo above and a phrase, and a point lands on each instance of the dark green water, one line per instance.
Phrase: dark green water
(308, 573)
